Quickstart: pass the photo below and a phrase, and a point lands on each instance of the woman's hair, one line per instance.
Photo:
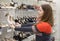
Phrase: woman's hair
(48, 14)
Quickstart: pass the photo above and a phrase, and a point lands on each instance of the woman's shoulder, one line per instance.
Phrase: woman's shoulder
(44, 24)
(44, 27)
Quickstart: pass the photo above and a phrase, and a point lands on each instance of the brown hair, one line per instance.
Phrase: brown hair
(48, 14)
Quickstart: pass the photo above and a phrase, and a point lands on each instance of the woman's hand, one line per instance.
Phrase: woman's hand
(15, 25)
(12, 25)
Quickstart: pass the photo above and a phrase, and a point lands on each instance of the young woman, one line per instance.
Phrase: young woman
(44, 23)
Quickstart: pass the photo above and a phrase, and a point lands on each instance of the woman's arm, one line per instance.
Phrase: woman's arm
(40, 27)
(27, 28)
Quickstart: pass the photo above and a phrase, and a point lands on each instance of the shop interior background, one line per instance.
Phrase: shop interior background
(15, 12)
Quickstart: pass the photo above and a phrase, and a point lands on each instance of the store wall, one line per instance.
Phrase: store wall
(57, 21)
